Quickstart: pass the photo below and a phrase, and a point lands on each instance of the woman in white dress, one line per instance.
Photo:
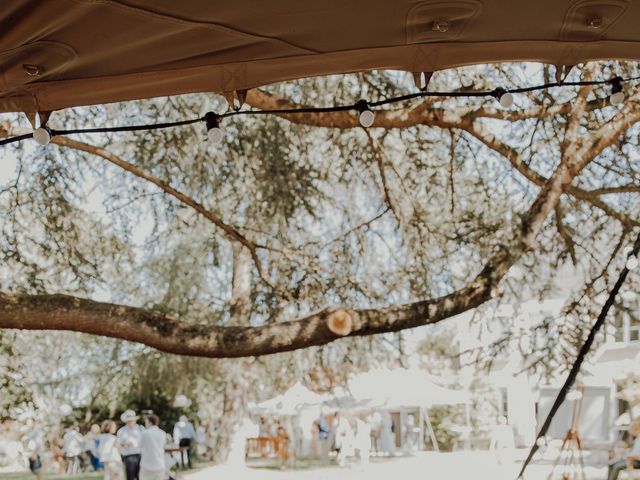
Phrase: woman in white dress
(387, 443)
(109, 454)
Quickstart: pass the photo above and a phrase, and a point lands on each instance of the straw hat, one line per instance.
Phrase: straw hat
(128, 416)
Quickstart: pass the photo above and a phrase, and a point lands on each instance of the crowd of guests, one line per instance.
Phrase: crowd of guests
(133, 451)
(332, 435)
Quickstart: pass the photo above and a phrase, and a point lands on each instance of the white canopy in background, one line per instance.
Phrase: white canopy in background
(402, 388)
(290, 402)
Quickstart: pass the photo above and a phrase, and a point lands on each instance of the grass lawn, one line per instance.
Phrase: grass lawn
(29, 476)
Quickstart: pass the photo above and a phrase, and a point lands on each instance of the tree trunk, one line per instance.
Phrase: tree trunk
(234, 409)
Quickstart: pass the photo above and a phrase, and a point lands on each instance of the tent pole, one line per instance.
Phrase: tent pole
(421, 423)
(432, 435)
(467, 441)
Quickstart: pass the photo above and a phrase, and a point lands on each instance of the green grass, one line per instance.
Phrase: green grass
(29, 476)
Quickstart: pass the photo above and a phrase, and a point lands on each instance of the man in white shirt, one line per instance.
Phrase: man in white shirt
(73, 447)
(617, 466)
(152, 443)
(184, 435)
(129, 442)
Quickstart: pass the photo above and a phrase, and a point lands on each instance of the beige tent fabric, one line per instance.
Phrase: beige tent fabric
(63, 53)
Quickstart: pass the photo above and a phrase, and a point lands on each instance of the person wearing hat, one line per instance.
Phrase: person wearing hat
(129, 442)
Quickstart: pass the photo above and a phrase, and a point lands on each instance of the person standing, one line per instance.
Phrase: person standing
(387, 441)
(615, 467)
(73, 447)
(34, 447)
(108, 452)
(344, 439)
(201, 440)
(129, 442)
(92, 443)
(152, 456)
(184, 435)
(363, 441)
(324, 439)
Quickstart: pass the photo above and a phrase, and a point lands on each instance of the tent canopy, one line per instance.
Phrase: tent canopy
(402, 388)
(289, 402)
(63, 53)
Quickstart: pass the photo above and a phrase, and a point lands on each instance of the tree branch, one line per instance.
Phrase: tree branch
(231, 232)
(169, 334)
(478, 131)
(380, 156)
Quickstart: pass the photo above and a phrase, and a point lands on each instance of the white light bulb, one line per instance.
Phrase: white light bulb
(632, 263)
(506, 100)
(366, 118)
(616, 98)
(215, 134)
(42, 136)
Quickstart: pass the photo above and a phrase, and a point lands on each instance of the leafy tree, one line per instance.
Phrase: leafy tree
(303, 229)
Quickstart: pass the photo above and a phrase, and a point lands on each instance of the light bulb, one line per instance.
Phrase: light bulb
(42, 136)
(617, 95)
(504, 98)
(365, 114)
(616, 98)
(632, 263)
(215, 135)
(214, 132)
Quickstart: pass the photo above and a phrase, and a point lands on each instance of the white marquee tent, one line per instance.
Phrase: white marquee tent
(289, 402)
(403, 388)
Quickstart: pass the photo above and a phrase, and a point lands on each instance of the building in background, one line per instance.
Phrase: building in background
(525, 399)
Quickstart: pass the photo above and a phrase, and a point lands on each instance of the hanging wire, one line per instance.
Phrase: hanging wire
(337, 108)
(584, 350)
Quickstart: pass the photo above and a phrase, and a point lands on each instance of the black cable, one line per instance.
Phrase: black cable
(575, 368)
(19, 138)
(337, 108)
(130, 128)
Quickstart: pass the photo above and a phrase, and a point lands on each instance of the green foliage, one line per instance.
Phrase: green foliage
(443, 418)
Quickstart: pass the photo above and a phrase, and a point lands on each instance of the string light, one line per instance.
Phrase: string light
(214, 132)
(366, 115)
(617, 94)
(42, 135)
(504, 98)
(632, 260)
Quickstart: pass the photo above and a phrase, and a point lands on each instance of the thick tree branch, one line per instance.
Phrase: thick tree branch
(158, 330)
(60, 312)
(464, 118)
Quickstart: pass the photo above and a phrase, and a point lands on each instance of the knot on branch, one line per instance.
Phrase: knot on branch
(340, 322)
